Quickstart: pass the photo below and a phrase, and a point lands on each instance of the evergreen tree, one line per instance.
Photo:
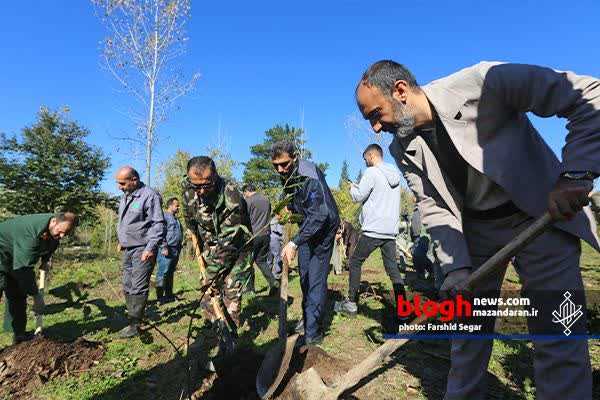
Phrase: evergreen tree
(51, 168)
(260, 171)
(344, 175)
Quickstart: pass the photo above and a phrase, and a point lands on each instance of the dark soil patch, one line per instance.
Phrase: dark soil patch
(28, 365)
(328, 367)
(237, 377)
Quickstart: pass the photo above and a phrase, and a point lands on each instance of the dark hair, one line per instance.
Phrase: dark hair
(67, 216)
(373, 147)
(200, 163)
(171, 200)
(249, 187)
(134, 174)
(384, 74)
(283, 146)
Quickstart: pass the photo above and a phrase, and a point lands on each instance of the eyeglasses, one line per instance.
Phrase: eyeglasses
(283, 165)
(200, 186)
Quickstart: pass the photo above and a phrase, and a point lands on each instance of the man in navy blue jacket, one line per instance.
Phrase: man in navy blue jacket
(311, 198)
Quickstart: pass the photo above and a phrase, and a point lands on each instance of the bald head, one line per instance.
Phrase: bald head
(62, 224)
(127, 178)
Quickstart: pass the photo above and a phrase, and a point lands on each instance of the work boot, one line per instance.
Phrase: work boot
(160, 294)
(346, 307)
(399, 290)
(169, 296)
(136, 305)
(312, 341)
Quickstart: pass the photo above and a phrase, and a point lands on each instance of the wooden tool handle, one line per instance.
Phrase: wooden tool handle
(198, 253)
(283, 299)
(214, 301)
(39, 319)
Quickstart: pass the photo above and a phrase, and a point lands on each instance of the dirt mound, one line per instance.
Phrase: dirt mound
(28, 365)
(237, 378)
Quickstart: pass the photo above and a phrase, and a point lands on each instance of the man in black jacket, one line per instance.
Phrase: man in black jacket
(304, 184)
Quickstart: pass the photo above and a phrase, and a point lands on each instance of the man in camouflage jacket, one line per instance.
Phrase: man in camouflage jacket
(215, 211)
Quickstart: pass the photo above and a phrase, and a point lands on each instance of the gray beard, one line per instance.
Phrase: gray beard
(405, 120)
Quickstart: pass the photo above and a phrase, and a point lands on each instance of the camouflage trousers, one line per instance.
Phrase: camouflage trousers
(227, 290)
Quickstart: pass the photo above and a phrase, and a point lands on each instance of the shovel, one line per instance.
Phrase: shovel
(39, 319)
(310, 386)
(277, 360)
(227, 343)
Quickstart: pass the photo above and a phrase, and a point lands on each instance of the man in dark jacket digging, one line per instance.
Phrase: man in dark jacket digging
(305, 187)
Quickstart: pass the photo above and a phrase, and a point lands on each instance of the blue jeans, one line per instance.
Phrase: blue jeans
(166, 270)
(313, 259)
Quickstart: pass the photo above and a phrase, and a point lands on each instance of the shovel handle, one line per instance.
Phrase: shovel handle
(39, 319)
(283, 299)
(202, 266)
(499, 260)
(495, 263)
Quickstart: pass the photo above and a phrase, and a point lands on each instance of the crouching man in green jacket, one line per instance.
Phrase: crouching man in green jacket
(23, 241)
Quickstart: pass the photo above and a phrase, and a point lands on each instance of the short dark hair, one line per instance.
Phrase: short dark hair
(200, 163)
(171, 200)
(283, 146)
(67, 216)
(384, 74)
(373, 147)
(249, 187)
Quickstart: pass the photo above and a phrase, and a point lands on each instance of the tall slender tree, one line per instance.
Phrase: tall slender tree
(145, 39)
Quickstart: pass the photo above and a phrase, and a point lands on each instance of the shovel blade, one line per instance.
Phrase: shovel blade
(274, 367)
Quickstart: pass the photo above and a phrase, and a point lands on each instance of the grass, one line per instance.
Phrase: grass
(85, 300)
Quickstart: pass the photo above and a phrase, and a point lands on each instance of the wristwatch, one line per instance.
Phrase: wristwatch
(579, 175)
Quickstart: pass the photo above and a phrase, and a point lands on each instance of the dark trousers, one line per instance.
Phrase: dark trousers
(261, 255)
(313, 259)
(15, 310)
(366, 245)
(136, 274)
(166, 270)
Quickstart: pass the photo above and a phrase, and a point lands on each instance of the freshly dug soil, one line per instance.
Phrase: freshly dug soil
(28, 365)
(237, 378)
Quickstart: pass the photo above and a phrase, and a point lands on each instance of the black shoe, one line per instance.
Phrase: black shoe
(314, 341)
(167, 299)
(129, 331)
(304, 341)
(346, 307)
(160, 294)
(23, 337)
(273, 292)
(299, 328)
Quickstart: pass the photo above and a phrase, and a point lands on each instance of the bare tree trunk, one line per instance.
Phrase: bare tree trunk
(152, 88)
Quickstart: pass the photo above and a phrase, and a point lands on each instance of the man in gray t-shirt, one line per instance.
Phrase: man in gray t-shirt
(259, 209)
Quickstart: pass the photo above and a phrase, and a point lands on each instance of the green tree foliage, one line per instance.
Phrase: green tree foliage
(226, 165)
(349, 211)
(259, 170)
(51, 167)
(407, 201)
(344, 175)
(173, 172)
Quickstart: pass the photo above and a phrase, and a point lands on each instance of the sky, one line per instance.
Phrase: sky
(274, 62)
